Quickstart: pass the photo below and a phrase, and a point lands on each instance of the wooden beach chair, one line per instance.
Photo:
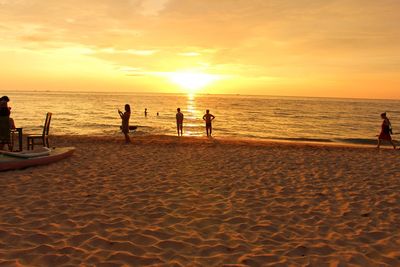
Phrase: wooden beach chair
(44, 137)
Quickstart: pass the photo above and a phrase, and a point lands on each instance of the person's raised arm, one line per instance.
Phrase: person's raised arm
(120, 113)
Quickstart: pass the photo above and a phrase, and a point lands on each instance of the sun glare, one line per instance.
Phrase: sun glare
(192, 81)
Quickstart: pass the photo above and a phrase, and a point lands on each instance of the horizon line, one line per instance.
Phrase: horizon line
(199, 94)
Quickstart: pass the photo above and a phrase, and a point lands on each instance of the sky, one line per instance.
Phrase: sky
(332, 48)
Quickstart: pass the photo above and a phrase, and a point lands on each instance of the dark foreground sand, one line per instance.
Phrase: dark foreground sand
(165, 201)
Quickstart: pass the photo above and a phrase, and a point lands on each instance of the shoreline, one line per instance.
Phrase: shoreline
(173, 139)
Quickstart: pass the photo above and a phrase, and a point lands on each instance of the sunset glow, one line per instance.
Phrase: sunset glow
(191, 82)
(279, 47)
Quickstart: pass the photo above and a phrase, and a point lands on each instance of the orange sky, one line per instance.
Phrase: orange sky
(340, 48)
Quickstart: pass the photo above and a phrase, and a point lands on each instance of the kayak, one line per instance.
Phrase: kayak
(24, 159)
(44, 151)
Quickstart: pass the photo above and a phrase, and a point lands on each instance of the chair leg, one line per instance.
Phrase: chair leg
(11, 144)
(30, 141)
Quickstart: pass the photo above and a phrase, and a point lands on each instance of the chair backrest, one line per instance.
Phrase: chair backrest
(46, 126)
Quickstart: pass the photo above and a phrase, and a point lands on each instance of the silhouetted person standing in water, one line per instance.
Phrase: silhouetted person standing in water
(208, 117)
(179, 121)
(386, 131)
(125, 122)
(145, 112)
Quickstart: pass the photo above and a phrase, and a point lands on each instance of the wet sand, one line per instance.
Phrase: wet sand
(169, 201)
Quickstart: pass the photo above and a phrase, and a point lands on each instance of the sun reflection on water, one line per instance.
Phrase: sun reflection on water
(191, 116)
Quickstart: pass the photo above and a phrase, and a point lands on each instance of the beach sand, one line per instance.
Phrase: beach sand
(169, 201)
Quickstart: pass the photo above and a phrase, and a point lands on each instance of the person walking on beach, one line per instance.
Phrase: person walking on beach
(386, 131)
(179, 121)
(208, 117)
(125, 122)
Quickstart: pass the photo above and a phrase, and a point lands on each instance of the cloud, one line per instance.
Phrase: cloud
(189, 54)
(112, 50)
(131, 71)
(253, 38)
(141, 52)
(152, 7)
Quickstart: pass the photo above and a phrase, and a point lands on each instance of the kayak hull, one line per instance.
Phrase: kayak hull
(13, 163)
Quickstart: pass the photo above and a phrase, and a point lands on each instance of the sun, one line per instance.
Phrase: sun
(192, 81)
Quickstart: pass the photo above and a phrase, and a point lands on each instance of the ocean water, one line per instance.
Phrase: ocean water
(239, 116)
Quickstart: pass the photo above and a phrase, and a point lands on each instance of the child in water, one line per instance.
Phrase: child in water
(125, 122)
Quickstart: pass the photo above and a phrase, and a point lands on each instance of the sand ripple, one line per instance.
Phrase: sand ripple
(165, 201)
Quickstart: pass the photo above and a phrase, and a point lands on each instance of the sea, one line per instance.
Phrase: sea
(310, 119)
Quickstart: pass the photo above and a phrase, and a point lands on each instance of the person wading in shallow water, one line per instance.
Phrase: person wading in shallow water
(208, 117)
(125, 122)
(179, 121)
(386, 131)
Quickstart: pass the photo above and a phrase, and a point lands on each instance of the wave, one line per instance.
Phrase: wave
(358, 141)
(302, 139)
(355, 141)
